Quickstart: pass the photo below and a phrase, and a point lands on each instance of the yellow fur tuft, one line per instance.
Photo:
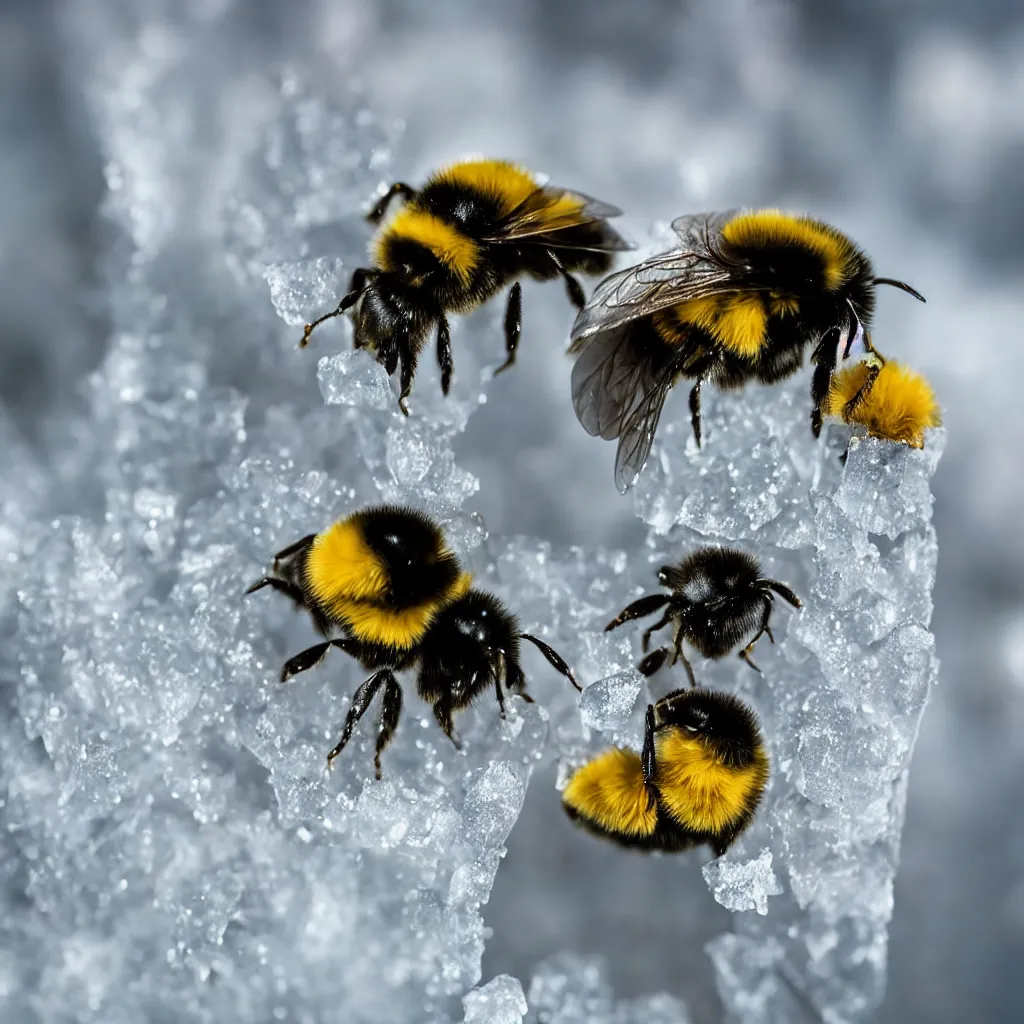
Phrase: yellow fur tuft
(783, 305)
(500, 180)
(609, 793)
(773, 227)
(736, 321)
(899, 406)
(457, 252)
(341, 566)
(403, 629)
(697, 789)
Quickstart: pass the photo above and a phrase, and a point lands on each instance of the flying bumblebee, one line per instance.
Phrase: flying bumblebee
(741, 299)
(385, 580)
(474, 227)
(698, 780)
(718, 599)
(890, 400)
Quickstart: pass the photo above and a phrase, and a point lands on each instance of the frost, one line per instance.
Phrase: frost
(173, 847)
(743, 885)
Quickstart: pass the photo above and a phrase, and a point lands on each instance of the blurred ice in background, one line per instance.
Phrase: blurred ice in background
(903, 123)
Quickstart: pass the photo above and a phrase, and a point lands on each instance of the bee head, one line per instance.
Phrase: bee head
(412, 552)
(721, 722)
(390, 316)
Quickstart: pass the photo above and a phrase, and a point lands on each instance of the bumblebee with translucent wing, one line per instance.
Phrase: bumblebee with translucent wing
(741, 300)
(385, 579)
(474, 227)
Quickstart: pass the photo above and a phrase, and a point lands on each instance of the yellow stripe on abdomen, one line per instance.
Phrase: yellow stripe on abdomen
(609, 793)
(342, 566)
(448, 245)
(737, 320)
(700, 792)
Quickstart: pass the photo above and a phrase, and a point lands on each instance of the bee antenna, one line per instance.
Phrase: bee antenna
(902, 285)
(556, 660)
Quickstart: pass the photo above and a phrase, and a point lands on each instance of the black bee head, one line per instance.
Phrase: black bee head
(390, 316)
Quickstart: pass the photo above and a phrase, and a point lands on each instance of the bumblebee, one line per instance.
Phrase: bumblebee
(718, 599)
(471, 229)
(740, 300)
(698, 780)
(889, 399)
(385, 580)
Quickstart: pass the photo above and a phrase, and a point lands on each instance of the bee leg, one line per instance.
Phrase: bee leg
(639, 609)
(572, 287)
(862, 392)
(555, 660)
(408, 360)
(399, 188)
(444, 353)
(356, 286)
(513, 326)
(695, 409)
(312, 656)
(678, 655)
(390, 712)
(282, 586)
(293, 549)
(649, 665)
(443, 716)
(821, 381)
(361, 700)
(784, 592)
(645, 640)
(501, 697)
(648, 760)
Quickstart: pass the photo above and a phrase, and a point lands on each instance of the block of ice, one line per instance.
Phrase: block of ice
(500, 1001)
(743, 884)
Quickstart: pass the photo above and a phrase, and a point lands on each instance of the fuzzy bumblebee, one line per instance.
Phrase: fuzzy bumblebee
(385, 579)
(698, 780)
(474, 227)
(890, 400)
(717, 599)
(741, 300)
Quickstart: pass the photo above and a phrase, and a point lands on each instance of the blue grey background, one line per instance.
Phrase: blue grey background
(901, 122)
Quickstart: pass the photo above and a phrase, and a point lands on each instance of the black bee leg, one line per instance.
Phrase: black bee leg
(399, 188)
(645, 640)
(513, 326)
(783, 591)
(556, 661)
(679, 655)
(821, 381)
(572, 287)
(639, 609)
(695, 410)
(294, 549)
(390, 712)
(499, 693)
(443, 715)
(361, 700)
(311, 656)
(765, 615)
(862, 392)
(282, 586)
(444, 353)
(647, 757)
(768, 633)
(649, 665)
(408, 360)
(355, 288)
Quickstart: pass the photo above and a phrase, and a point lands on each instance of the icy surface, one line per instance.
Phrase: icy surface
(172, 847)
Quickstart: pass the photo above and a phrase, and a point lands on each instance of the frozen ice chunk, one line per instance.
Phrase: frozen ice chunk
(500, 1001)
(607, 704)
(303, 291)
(355, 378)
(743, 885)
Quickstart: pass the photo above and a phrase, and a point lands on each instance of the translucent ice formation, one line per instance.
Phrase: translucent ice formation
(172, 847)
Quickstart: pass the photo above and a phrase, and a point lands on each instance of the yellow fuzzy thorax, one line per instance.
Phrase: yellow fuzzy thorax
(506, 183)
(899, 406)
(450, 247)
(609, 792)
(402, 629)
(737, 321)
(758, 228)
(697, 789)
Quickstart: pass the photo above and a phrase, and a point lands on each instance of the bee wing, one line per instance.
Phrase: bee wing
(618, 391)
(699, 230)
(550, 209)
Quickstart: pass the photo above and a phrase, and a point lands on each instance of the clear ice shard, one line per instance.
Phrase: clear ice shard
(171, 845)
